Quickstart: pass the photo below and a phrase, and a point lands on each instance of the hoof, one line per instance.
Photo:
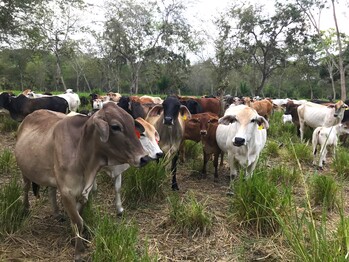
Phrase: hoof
(175, 187)
(230, 193)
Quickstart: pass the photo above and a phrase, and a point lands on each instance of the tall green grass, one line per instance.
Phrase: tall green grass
(145, 184)
(7, 124)
(323, 191)
(340, 162)
(255, 200)
(118, 241)
(189, 215)
(12, 214)
(7, 162)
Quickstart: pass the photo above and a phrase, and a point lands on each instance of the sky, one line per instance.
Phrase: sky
(201, 13)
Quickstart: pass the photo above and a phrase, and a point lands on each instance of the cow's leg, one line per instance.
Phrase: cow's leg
(314, 153)
(251, 168)
(204, 167)
(323, 155)
(222, 158)
(301, 129)
(174, 171)
(215, 164)
(52, 192)
(232, 166)
(117, 185)
(182, 152)
(70, 205)
(26, 188)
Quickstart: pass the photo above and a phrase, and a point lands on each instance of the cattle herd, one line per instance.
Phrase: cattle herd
(69, 146)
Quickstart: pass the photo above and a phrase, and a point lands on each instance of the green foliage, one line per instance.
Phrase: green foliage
(118, 241)
(7, 162)
(192, 149)
(255, 200)
(324, 191)
(189, 215)
(12, 214)
(284, 175)
(144, 184)
(280, 131)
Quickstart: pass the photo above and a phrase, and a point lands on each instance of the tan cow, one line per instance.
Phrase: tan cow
(67, 152)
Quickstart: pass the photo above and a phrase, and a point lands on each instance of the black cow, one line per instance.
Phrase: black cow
(21, 106)
(193, 106)
(134, 108)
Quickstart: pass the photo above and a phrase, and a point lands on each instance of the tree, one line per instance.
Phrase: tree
(135, 30)
(52, 27)
(256, 39)
(13, 18)
(312, 10)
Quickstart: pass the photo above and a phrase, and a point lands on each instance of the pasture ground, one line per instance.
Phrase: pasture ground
(42, 238)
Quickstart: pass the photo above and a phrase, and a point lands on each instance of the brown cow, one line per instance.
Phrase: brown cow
(291, 109)
(67, 152)
(202, 127)
(207, 104)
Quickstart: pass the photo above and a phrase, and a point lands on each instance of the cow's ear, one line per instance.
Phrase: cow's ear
(139, 127)
(155, 111)
(262, 122)
(102, 128)
(226, 120)
(184, 112)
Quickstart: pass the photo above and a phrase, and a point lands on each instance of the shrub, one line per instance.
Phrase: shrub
(189, 215)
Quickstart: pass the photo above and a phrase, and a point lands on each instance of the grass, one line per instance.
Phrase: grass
(12, 214)
(340, 162)
(189, 215)
(7, 162)
(323, 191)
(145, 184)
(8, 124)
(255, 200)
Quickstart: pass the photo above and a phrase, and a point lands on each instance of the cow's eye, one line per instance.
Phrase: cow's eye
(253, 120)
(115, 128)
(142, 134)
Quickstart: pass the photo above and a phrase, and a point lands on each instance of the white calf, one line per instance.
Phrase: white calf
(327, 136)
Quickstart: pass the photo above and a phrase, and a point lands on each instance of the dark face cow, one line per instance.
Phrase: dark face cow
(67, 152)
(168, 119)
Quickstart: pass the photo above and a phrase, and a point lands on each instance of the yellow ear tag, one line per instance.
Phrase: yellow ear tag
(347, 108)
(260, 127)
(184, 117)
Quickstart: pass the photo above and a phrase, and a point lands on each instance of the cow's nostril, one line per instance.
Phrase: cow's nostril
(168, 120)
(144, 160)
(203, 132)
(159, 155)
(239, 141)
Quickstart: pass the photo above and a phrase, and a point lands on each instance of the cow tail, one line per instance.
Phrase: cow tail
(35, 188)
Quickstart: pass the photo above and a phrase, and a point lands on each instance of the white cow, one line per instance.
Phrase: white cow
(149, 140)
(242, 133)
(72, 99)
(315, 115)
(286, 118)
(327, 136)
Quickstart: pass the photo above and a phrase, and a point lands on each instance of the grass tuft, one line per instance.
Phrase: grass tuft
(323, 191)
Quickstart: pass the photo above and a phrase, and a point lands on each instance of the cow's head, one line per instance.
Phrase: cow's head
(5, 100)
(171, 109)
(150, 139)
(117, 132)
(200, 122)
(246, 123)
(339, 108)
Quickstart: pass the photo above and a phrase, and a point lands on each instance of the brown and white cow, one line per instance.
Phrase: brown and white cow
(315, 115)
(168, 119)
(67, 152)
(202, 127)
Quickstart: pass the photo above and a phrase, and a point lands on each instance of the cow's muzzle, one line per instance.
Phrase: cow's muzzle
(144, 160)
(159, 155)
(239, 141)
(168, 120)
(203, 132)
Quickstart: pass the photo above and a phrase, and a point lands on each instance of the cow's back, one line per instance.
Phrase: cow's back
(315, 115)
(35, 146)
